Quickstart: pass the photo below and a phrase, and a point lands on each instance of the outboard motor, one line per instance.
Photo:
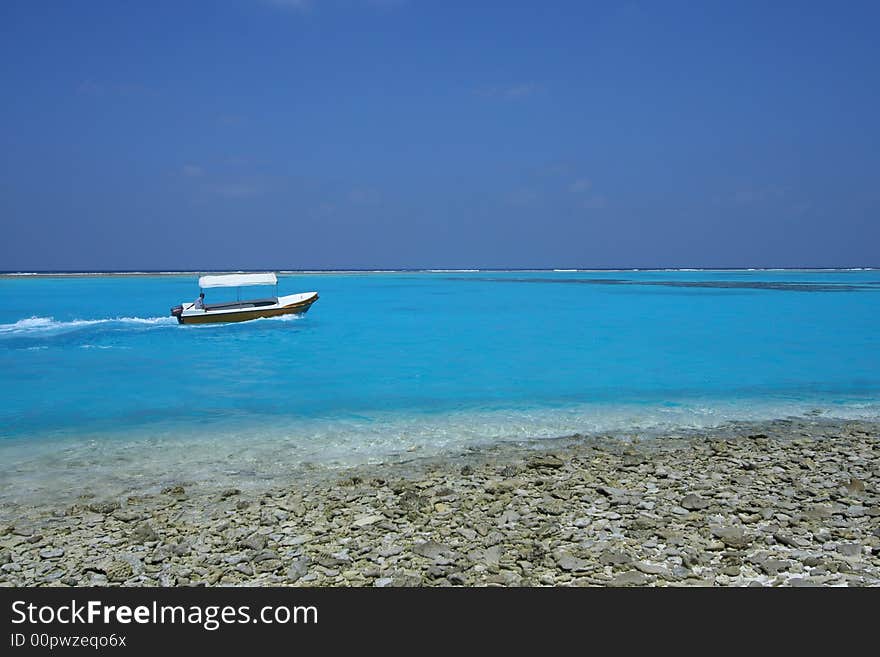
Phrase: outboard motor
(177, 311)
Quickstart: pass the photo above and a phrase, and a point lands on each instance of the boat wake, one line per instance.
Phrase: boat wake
(51, 326)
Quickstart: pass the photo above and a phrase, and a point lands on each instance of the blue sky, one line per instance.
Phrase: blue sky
(391, 133)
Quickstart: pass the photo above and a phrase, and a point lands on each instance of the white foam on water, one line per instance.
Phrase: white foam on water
(42, 325)
(280, 318)
(229, 325)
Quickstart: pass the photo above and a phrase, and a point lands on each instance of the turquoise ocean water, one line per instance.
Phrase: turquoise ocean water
(101, 390)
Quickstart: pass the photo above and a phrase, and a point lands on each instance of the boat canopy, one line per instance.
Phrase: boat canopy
(238, 280)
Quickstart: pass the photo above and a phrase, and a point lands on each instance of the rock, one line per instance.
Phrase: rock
(614, 557)
(180, 549)
(298, 568)
(137, 567)
(693, 502)
(436, 572)
(505, 578)
(804, 581)
(264, 555)
(855, 486)
(456, 579)
(437, 552)
(144, 533)
(850, 549)
(773, 566)
(254, 542)
(117, 570)
(545, 461)
(406, 579)
(680, 572)
(466, 471)
(339, 558)
(643, 522)
(125, 515)
(789, 541)
(631, 460)
(818, 512)
(609, 491)
(366, 521)
(650, 568)
(509, 517)
(492, 555)
(51, 553)
(734, 537)
(580, 516)
(174, 490)
(103, 507)
(570, 563)
(629, 578)
(411, 501)
(552, 507)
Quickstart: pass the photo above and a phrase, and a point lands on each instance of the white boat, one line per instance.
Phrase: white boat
(242, 310)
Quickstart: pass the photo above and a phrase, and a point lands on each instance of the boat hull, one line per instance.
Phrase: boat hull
(221, 317)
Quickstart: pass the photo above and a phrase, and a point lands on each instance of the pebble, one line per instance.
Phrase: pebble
(51, 553)
(757, 505)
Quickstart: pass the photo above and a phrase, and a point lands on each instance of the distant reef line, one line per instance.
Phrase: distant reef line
(187, 272)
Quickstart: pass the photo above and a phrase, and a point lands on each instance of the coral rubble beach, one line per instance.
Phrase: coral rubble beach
(790, 502)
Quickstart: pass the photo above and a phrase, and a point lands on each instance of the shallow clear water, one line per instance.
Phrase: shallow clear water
(101, 389)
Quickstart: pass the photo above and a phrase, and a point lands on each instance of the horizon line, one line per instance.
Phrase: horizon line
(169, 272)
